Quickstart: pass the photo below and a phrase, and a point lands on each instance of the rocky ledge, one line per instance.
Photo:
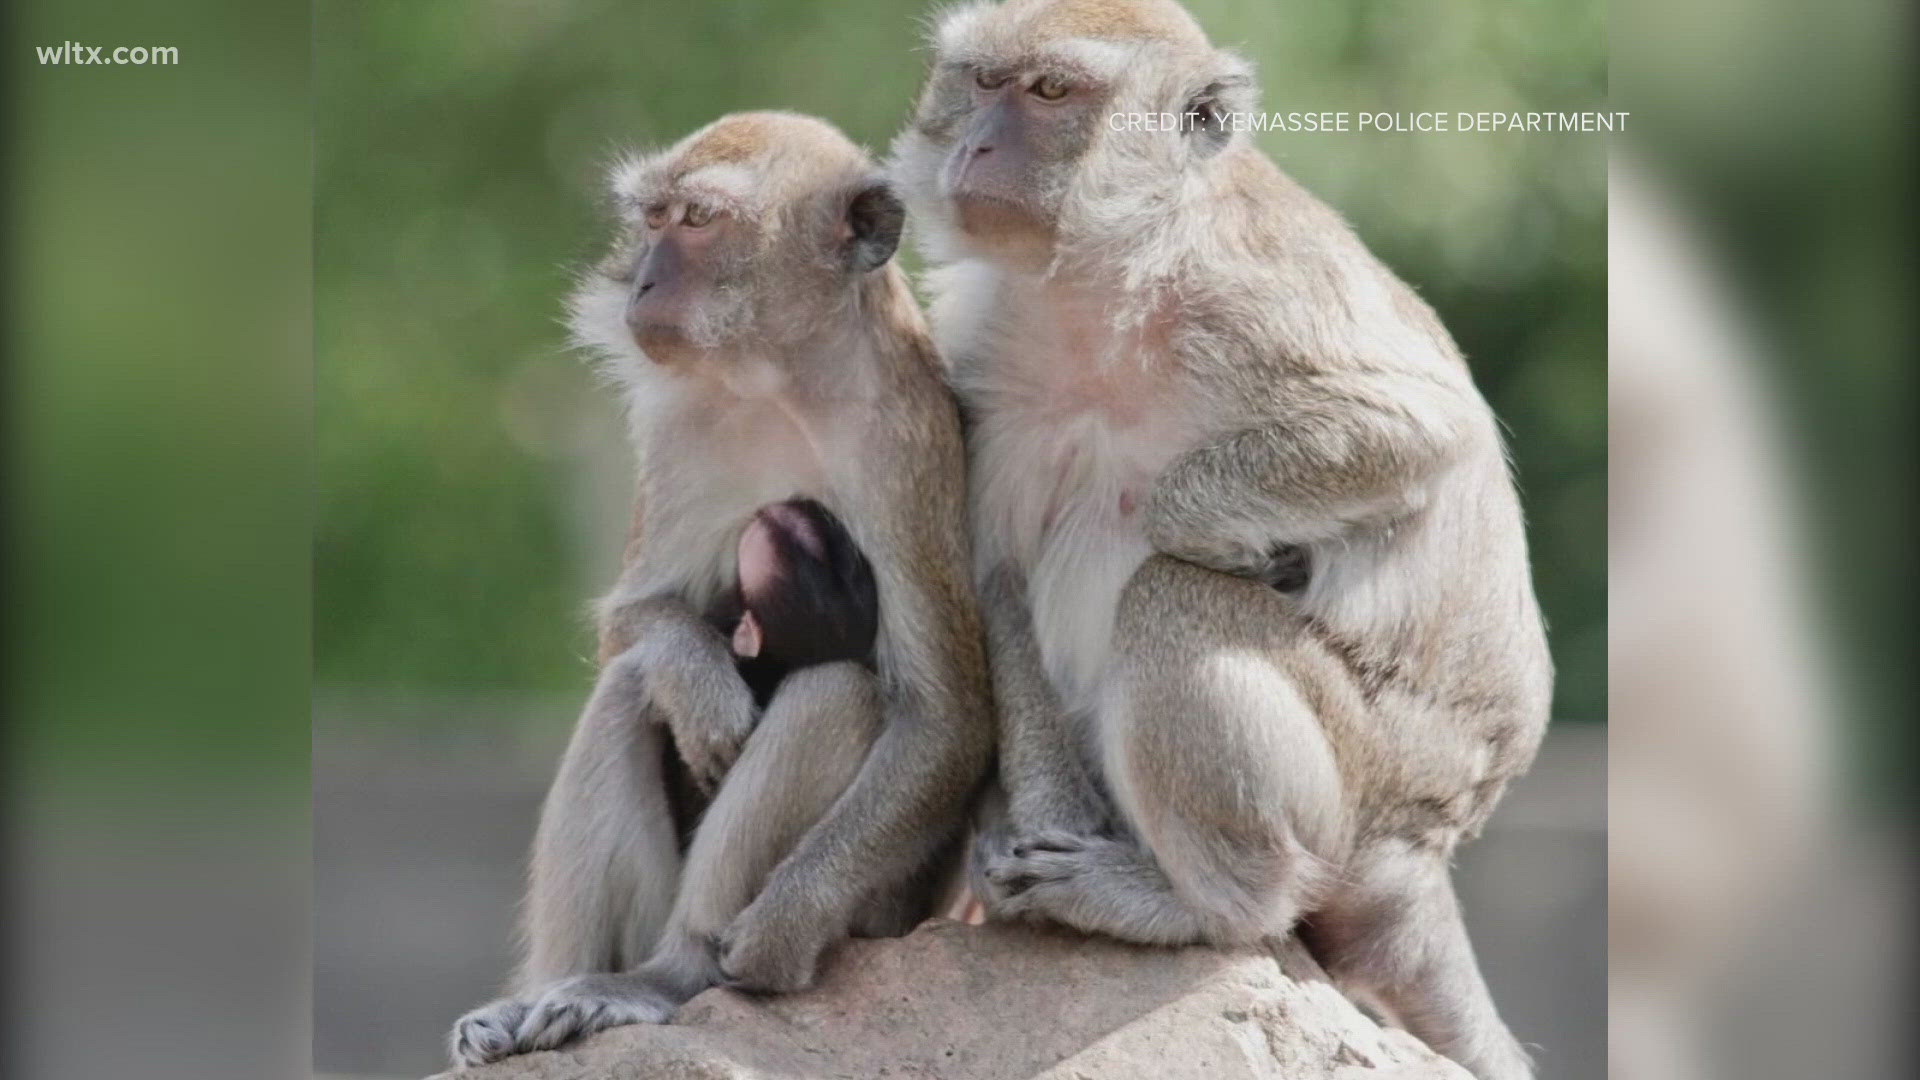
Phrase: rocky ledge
(958, 1002)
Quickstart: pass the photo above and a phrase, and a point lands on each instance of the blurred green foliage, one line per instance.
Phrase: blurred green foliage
(1796, 113)
(156, 420)
(459, 149)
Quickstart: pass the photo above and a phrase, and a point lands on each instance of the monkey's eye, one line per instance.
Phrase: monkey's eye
(987, 80)
(1048, 88)
(698, 214)
(657, 216)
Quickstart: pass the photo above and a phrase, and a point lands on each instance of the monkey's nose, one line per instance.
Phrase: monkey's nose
(981, 148)
(645, 287)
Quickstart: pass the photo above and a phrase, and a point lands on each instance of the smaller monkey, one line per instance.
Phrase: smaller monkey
(805, 596)
(795, 447)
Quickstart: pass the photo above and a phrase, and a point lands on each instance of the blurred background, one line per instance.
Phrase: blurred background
(473, 480)
(1760, 563)
(157, 544)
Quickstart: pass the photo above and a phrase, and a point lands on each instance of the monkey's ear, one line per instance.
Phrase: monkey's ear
(1231, 90)
(874, 219)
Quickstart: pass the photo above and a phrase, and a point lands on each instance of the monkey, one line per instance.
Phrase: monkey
(767, 348)
(804, 595)
(1188, 384)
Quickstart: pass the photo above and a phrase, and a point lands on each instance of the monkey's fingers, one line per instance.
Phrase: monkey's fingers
(1289, 568)
(759, 957)
(1010, 882)
(1014, 874)
(554, 1023)
(488, 1033)
(709, 761)
(579, 1007)
(1052, 841)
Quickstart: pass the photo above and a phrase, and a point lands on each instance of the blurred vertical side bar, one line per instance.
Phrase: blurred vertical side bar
(1760, 562)
(158, 422)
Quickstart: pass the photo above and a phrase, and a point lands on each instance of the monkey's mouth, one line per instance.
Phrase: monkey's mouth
(990, 215)
(658, 330)
(680, 342)
(663, 342)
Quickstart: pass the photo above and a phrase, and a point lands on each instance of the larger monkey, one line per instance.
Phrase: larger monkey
(1181, 371)
(768, 349)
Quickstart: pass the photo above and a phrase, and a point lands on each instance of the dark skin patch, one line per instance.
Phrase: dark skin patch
(821, 606)
(1289, 568)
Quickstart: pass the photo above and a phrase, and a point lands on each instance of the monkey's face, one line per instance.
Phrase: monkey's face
(1004, 136)
(1042, 118)
(740, 238)
(1016, 133)
(686, 272)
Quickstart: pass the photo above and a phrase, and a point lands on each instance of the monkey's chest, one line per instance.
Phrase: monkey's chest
(1078, 412)
(1068, 491)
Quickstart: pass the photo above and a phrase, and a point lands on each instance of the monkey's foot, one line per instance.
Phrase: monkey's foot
(487, 1033)
(564, 1011)
(585, 1004)
(1037, 871)
(1092, 883)
(762, 954)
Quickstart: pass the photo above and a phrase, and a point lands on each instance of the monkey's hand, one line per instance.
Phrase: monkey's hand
(710, 743)
(774, 946)
(1283, 566)
(1337, 456)
(686, 670)
(1289, 568)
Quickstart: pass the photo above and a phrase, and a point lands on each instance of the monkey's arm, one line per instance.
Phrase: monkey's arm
(688, 674)
(1334, 455)
(1042, 766)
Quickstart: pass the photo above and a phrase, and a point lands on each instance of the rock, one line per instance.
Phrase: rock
(958, 1002)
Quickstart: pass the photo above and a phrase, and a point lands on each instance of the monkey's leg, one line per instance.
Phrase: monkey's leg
(895, 909)
(1393, 933)
(1218, 765)
(606, 861)
(807, 749)
(1044, 772)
